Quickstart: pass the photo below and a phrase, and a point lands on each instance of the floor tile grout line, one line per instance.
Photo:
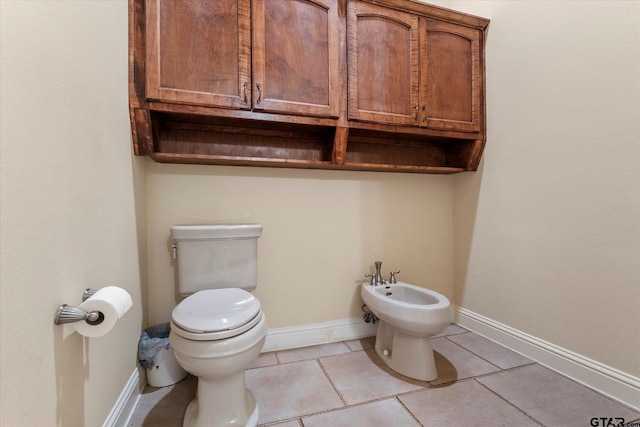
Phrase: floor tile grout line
(396, 397)
(441, 335)
(484, 358)
(503, 371)
(351, 350)
(335, 388)
(300, 417)
(533, 362)
(275, 354)
(508, 402)
(285, 420)
(566, 377)
(355, 405)
(281, 362)
(477, 355)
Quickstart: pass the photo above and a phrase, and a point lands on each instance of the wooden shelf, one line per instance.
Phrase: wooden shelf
(223, 141)
(402, 168)
(404, 152)
(217, 140)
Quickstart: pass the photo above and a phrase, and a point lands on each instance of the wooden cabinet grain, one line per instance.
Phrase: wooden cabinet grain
(295, 56)
(272, 56)
(452, 77)
(406, 69)
(389, 85)
(199, 52)
(383, 64)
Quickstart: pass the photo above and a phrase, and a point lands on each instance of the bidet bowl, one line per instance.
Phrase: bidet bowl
(414, 310)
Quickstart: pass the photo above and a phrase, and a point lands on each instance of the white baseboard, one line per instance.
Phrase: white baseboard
(318, 333)
(609, 381)
(126, 403)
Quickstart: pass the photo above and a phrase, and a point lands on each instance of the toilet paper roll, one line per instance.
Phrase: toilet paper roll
(113, 302)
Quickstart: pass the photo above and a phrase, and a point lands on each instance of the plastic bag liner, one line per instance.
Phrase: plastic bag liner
(152, 341)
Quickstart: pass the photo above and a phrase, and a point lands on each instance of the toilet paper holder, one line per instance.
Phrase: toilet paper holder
(69, 314)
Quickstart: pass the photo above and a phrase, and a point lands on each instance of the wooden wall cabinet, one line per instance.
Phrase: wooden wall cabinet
(263, 55)
(390, 85)
(409, 70)
(384, 66)
(199, 52)
(452, 78)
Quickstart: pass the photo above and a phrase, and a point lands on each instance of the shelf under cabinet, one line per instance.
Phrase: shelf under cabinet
(226, 141)
(405, 152)
(211, 140)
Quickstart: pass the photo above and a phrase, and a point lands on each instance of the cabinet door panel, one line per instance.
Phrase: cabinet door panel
(295, 56)
(198, 52)
(383, 64)
(452, 78)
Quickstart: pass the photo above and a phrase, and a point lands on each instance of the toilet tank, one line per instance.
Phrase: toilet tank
(216, 256)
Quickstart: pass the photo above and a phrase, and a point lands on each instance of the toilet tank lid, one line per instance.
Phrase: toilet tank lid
(216, 231)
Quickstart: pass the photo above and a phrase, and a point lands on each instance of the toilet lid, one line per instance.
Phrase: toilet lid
(215, 310)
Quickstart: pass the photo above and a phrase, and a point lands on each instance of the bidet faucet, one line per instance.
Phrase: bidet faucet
(392, 276)
(379, 279)
(373, 278)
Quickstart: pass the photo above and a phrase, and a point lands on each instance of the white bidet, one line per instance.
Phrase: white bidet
(409, 316)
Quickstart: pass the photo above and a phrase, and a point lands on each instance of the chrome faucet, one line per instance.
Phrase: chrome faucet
(373, 278)
(378, 279)
(392, 276)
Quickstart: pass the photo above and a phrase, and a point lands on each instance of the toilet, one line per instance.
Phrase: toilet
(219, 328)
(409, 316)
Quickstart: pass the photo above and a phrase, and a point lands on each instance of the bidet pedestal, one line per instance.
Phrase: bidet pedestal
(225, 402)
(408, 355)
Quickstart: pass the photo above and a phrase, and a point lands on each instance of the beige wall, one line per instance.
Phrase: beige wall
(548, 232)
(67, 208)
(322, 231)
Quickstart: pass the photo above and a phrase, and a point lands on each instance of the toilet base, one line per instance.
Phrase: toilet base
(192, 413)
(406, 354)
(228, 403)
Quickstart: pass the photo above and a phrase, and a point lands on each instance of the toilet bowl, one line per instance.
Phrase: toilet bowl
(409, 315)
(216, 345)
(219, 329)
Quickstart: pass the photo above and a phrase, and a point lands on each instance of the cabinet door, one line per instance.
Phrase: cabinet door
(452, 77)
(383, 64)
(198, 52)
(295, 56)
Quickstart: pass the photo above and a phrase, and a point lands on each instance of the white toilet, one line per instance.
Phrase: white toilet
(409, 316)
(219, 329)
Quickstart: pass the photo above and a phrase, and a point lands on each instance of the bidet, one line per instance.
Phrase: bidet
(409, 315)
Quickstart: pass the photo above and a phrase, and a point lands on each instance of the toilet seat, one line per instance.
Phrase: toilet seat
(215, 336)
(216, 314)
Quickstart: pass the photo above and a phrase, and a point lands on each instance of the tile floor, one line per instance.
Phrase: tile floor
(480, 383)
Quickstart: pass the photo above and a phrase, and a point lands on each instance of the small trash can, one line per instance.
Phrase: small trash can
(156, 356)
